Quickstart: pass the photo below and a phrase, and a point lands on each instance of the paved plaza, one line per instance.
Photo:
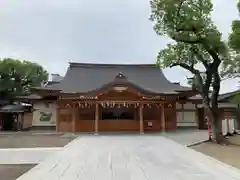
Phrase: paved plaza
(132, 157)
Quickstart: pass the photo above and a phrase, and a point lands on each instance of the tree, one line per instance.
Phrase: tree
(234, 44)
(196, 41)
(17, 77)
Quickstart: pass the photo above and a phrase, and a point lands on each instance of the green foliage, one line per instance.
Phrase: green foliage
(238, 5)
(234, 38)
(188, 22)
(233, 66)
(17, 77)
(197, 41)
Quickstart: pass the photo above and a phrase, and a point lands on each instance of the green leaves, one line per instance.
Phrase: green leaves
(173, 16)
(234, 38)
(189, 54)
(238, 6)
(17, 77)
(197, 39)
(232, 69)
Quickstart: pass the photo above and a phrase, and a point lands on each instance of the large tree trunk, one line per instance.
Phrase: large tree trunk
(216, 128)
(213, 120)
(237, 113)
(213, 110)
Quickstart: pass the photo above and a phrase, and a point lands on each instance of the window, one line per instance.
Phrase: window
(117, 113)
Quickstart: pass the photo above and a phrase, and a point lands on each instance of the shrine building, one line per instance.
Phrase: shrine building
(115, 98)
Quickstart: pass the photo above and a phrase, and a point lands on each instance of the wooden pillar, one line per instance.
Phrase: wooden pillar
(196, 116)
(163, 119)
(182, 112)
(96, 119)
(22, 121)
(141, 119)
(73, 120)
(57, 119)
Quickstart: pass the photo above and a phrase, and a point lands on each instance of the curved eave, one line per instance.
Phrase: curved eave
(128, 84)
(45, 91)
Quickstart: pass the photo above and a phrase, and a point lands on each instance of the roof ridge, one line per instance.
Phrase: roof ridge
(90, 65)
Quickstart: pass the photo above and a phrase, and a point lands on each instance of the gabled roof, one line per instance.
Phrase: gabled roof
(226, 97)
(84, 77)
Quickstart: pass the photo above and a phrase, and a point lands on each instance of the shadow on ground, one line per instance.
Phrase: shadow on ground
(227, 154)
(12, 172)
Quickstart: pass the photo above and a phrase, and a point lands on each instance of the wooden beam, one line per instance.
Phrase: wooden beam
(113, 101)
(183, 116)
(96, 119)
(141, 120)
(57, 119)
(126, 101)
(163, 119)
(73, 120)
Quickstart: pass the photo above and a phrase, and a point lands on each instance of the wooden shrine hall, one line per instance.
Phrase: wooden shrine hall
(115, 98)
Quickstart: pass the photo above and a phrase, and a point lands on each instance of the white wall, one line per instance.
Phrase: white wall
(41, 108)
(222, 105)
(186, 119)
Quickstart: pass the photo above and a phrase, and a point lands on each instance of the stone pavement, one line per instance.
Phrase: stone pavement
(133, 157)
(37, 155)
(26, 155)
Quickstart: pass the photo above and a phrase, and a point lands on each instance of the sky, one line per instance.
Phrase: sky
(55, 32)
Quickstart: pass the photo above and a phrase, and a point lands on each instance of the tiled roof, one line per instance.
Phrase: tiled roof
(226, 97)
(84, 77)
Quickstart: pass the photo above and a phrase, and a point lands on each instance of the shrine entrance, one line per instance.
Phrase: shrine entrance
(118, 118)
(118, 109)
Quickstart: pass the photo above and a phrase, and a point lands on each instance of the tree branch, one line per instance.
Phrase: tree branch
(200, 58)
(197, 41)
(180, 6)
(216, 89)
(207, 84)
(213, 53)
(187, 67)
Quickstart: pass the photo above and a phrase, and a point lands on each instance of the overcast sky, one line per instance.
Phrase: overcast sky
(55, 32)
